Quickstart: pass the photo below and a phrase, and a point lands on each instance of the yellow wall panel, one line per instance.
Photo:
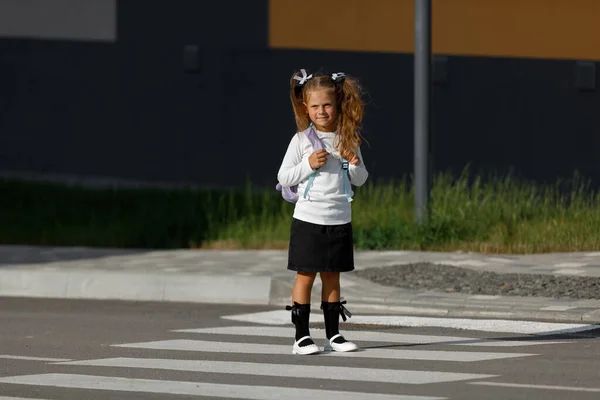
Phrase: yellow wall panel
(516, 28)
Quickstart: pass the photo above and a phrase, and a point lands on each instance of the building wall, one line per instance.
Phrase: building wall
(94, 20)
(134, 106)
(553, 29)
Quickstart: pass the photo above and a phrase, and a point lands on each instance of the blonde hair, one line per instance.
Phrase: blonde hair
(349, 103)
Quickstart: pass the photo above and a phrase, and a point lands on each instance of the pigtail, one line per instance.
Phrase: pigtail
(297, 99)
(351, 111)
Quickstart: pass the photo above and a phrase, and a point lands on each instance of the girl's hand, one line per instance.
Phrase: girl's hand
(354, 160)
(318, 159)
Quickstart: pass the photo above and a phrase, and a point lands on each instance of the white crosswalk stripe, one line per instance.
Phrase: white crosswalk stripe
(287, 370)
(499, 326)
(10, 357)
(280, 363)
(194, 388)
(256, 348)
(368, 336)
(16, 398)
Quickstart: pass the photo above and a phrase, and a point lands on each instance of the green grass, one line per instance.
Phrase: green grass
(496, 216)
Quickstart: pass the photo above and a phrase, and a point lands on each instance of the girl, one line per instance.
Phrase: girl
(321, 231)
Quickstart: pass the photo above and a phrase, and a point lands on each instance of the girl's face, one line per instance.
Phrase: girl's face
(322, 109)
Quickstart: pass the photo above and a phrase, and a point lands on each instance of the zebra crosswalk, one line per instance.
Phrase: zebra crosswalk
(273, 363)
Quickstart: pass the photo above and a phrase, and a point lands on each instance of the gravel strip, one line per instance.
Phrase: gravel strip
(450, 279)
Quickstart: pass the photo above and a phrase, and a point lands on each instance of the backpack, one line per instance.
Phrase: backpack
(291, 193)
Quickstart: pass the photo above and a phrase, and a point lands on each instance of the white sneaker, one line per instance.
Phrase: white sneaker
(330, 345)
(305, 350)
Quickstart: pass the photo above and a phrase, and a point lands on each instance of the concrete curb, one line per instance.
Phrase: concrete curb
(273, 290)
(116, 285)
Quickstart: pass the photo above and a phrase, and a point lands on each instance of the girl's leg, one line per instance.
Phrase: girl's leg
(301, 313)
(332, 310)
(303, 287)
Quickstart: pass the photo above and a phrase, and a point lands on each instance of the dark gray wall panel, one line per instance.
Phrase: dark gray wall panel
(129, 110)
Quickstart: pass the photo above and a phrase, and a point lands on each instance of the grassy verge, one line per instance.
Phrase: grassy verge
(496, 216)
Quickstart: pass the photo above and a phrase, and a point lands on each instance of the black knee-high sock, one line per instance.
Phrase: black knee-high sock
(300, 318)
(331, 313)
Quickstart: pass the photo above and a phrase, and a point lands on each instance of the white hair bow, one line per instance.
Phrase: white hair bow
(304, 78)
(338, 76)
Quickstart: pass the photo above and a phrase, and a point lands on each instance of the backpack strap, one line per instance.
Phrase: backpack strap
(309, 184)
(346, 174)
(316, 144)
(346, 177)
(312, 137)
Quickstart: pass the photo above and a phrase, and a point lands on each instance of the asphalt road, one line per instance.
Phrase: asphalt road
(74, 350)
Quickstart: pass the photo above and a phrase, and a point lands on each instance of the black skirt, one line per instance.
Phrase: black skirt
(320, 248)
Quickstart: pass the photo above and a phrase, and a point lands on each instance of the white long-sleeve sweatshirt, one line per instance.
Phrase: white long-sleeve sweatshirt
(326, 202)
